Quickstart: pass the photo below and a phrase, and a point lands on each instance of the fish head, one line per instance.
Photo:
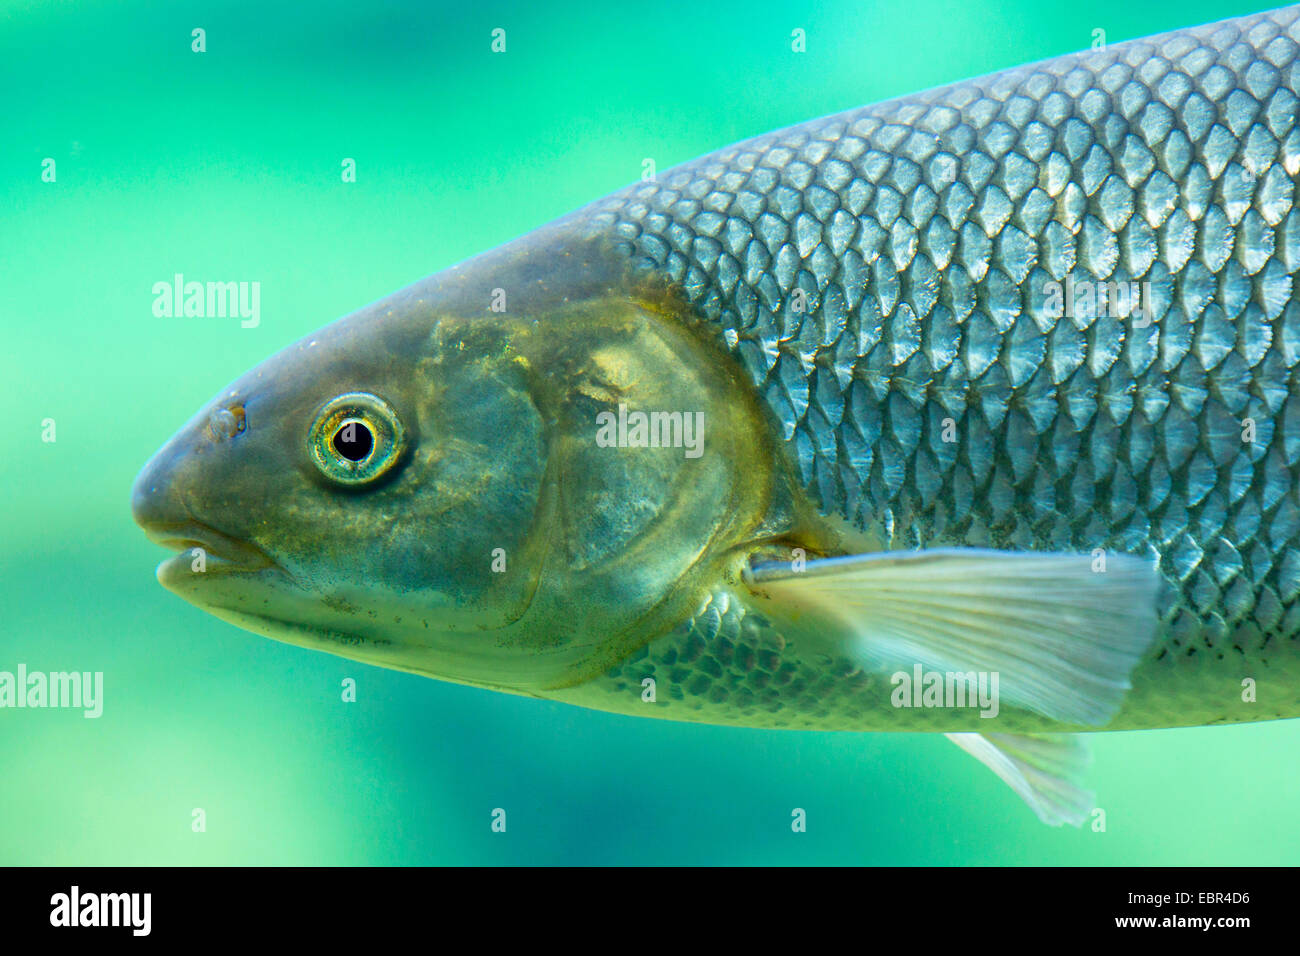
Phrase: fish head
(439, 486)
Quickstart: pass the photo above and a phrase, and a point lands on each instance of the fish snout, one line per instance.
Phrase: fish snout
(159, 506)
(155, 500)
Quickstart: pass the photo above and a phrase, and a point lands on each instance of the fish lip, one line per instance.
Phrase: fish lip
(230, 553)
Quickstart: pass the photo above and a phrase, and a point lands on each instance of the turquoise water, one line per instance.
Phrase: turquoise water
(226, 164)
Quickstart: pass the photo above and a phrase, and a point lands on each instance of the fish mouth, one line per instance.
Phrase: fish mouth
(220, 552)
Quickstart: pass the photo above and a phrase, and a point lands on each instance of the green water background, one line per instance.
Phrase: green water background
(226, 165)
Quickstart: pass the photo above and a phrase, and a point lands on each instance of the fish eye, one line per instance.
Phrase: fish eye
(355, 438)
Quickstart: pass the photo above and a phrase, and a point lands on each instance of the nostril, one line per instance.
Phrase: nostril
(226, 422)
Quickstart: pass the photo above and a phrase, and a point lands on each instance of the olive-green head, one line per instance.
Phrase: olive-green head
(511, 474)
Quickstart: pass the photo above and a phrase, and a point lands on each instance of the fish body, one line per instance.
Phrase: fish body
(988, 391)
(925, 235)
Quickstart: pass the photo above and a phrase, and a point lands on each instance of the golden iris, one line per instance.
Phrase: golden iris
(356, 438)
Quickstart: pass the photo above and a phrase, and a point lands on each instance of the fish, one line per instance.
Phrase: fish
(971, 412)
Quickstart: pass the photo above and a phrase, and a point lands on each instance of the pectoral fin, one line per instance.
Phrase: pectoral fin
(1044, 769)
(1062, 634)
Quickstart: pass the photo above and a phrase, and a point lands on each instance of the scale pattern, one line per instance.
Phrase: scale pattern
(927, 390)
(728, 665)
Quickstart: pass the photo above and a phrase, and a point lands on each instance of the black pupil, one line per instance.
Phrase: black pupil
(353, 441)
